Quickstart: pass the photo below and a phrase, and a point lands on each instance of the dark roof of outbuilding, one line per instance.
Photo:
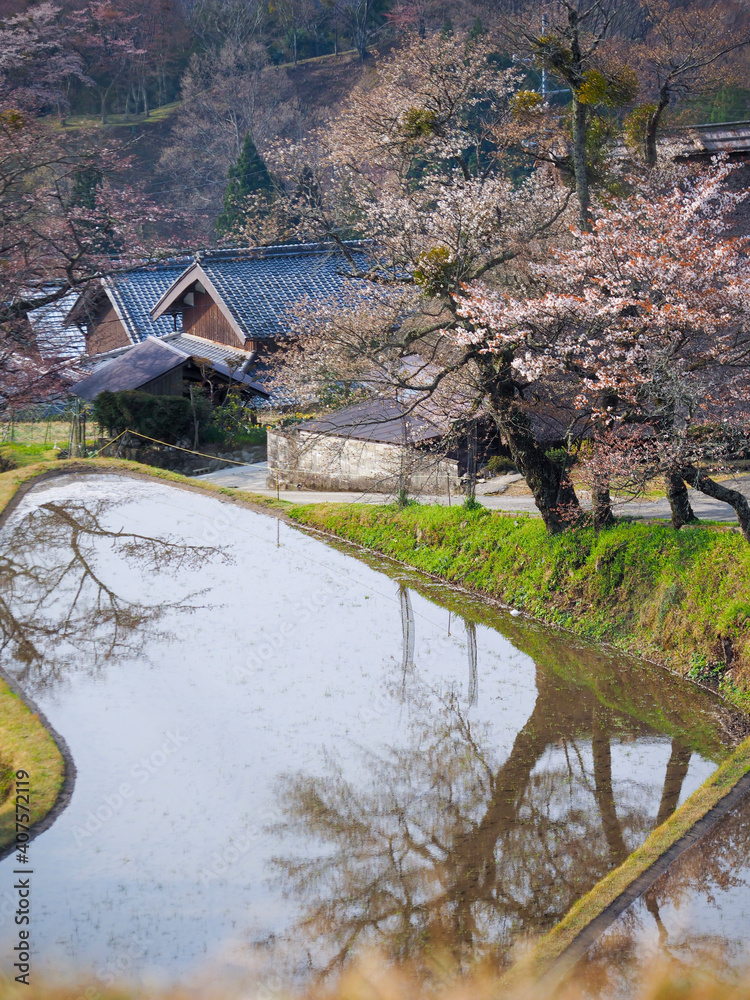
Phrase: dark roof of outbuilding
(147, 361)
(710, 139)
(133, 294)
(383, 420)
(262, 286)
(153, 357)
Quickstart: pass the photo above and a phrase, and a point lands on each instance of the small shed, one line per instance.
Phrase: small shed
(161, 368)
(378, 446)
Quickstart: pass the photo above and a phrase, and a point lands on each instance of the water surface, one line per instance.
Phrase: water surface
(285, 753)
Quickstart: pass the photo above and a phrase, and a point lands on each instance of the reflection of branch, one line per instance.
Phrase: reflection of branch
(443, 844)
(55, 587)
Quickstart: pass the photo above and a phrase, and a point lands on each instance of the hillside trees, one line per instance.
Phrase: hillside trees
(226, 95)
(248, 176)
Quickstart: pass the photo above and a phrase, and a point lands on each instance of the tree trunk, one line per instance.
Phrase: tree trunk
(601, 506)
(553, 491)
(652, 127)
(700, 481)
(679, 502)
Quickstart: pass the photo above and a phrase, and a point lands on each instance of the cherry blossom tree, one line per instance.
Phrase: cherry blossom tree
(646, 319)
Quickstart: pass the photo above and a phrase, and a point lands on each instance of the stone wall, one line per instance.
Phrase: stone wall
(301, 460)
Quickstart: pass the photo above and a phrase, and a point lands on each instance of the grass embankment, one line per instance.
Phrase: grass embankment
(25, 744)
(681, 598)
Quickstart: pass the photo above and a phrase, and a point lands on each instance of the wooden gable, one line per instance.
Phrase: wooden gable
(205, 319)
(105, 330)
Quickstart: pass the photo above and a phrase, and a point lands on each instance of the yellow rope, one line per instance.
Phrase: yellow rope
(145, 437)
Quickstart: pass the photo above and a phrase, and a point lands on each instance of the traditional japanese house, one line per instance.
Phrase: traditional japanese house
(246, 299)
(115, 311)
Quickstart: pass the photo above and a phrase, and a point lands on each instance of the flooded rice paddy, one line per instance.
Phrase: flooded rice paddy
(285, 753)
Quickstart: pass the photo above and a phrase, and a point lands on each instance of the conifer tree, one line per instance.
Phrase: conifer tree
(248, 176)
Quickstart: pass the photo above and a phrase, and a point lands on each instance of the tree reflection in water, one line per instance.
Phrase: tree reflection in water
(695, 914)
(441, 843)
(61, 605)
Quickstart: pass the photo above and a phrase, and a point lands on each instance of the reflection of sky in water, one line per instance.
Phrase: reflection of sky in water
(290, 649)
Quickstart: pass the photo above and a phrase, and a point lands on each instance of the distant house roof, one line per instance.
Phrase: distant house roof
(151, 358)
(709, 139)
(257, 289)
(132, 294)
(53, 337)
(384, 420)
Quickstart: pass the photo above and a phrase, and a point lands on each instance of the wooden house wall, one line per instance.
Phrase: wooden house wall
(205, 319)
(170, 384)
(106, 332)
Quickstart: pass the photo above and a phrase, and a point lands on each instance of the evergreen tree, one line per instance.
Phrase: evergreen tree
(249, 175)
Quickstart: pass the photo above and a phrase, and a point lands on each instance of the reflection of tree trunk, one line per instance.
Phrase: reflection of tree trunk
(473, 855)
(407, 630)
(652, 906)
(677, 768)
(605, 799)
(471, 642)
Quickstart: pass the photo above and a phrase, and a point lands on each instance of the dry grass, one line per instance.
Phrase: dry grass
(372, 978)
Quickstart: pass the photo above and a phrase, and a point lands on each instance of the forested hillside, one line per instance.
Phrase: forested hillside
(178, 85)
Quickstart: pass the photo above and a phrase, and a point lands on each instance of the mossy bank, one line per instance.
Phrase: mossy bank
(681, 598)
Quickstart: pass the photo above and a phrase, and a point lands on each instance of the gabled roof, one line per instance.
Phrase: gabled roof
(135, 366)
(258, 289)
(132, 294)
(383, 420)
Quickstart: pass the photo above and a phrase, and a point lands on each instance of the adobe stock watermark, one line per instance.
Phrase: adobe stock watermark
(237, 846)
(269, 646)
(141, 772)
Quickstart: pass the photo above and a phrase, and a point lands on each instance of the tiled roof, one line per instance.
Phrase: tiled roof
(131, 367)
(133, 294)
(53, 337)
(263, 286)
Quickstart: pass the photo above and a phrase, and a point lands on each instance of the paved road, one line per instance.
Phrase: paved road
(253, 478)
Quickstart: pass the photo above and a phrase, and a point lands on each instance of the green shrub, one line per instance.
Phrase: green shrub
(498, 464)
(165, 418)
